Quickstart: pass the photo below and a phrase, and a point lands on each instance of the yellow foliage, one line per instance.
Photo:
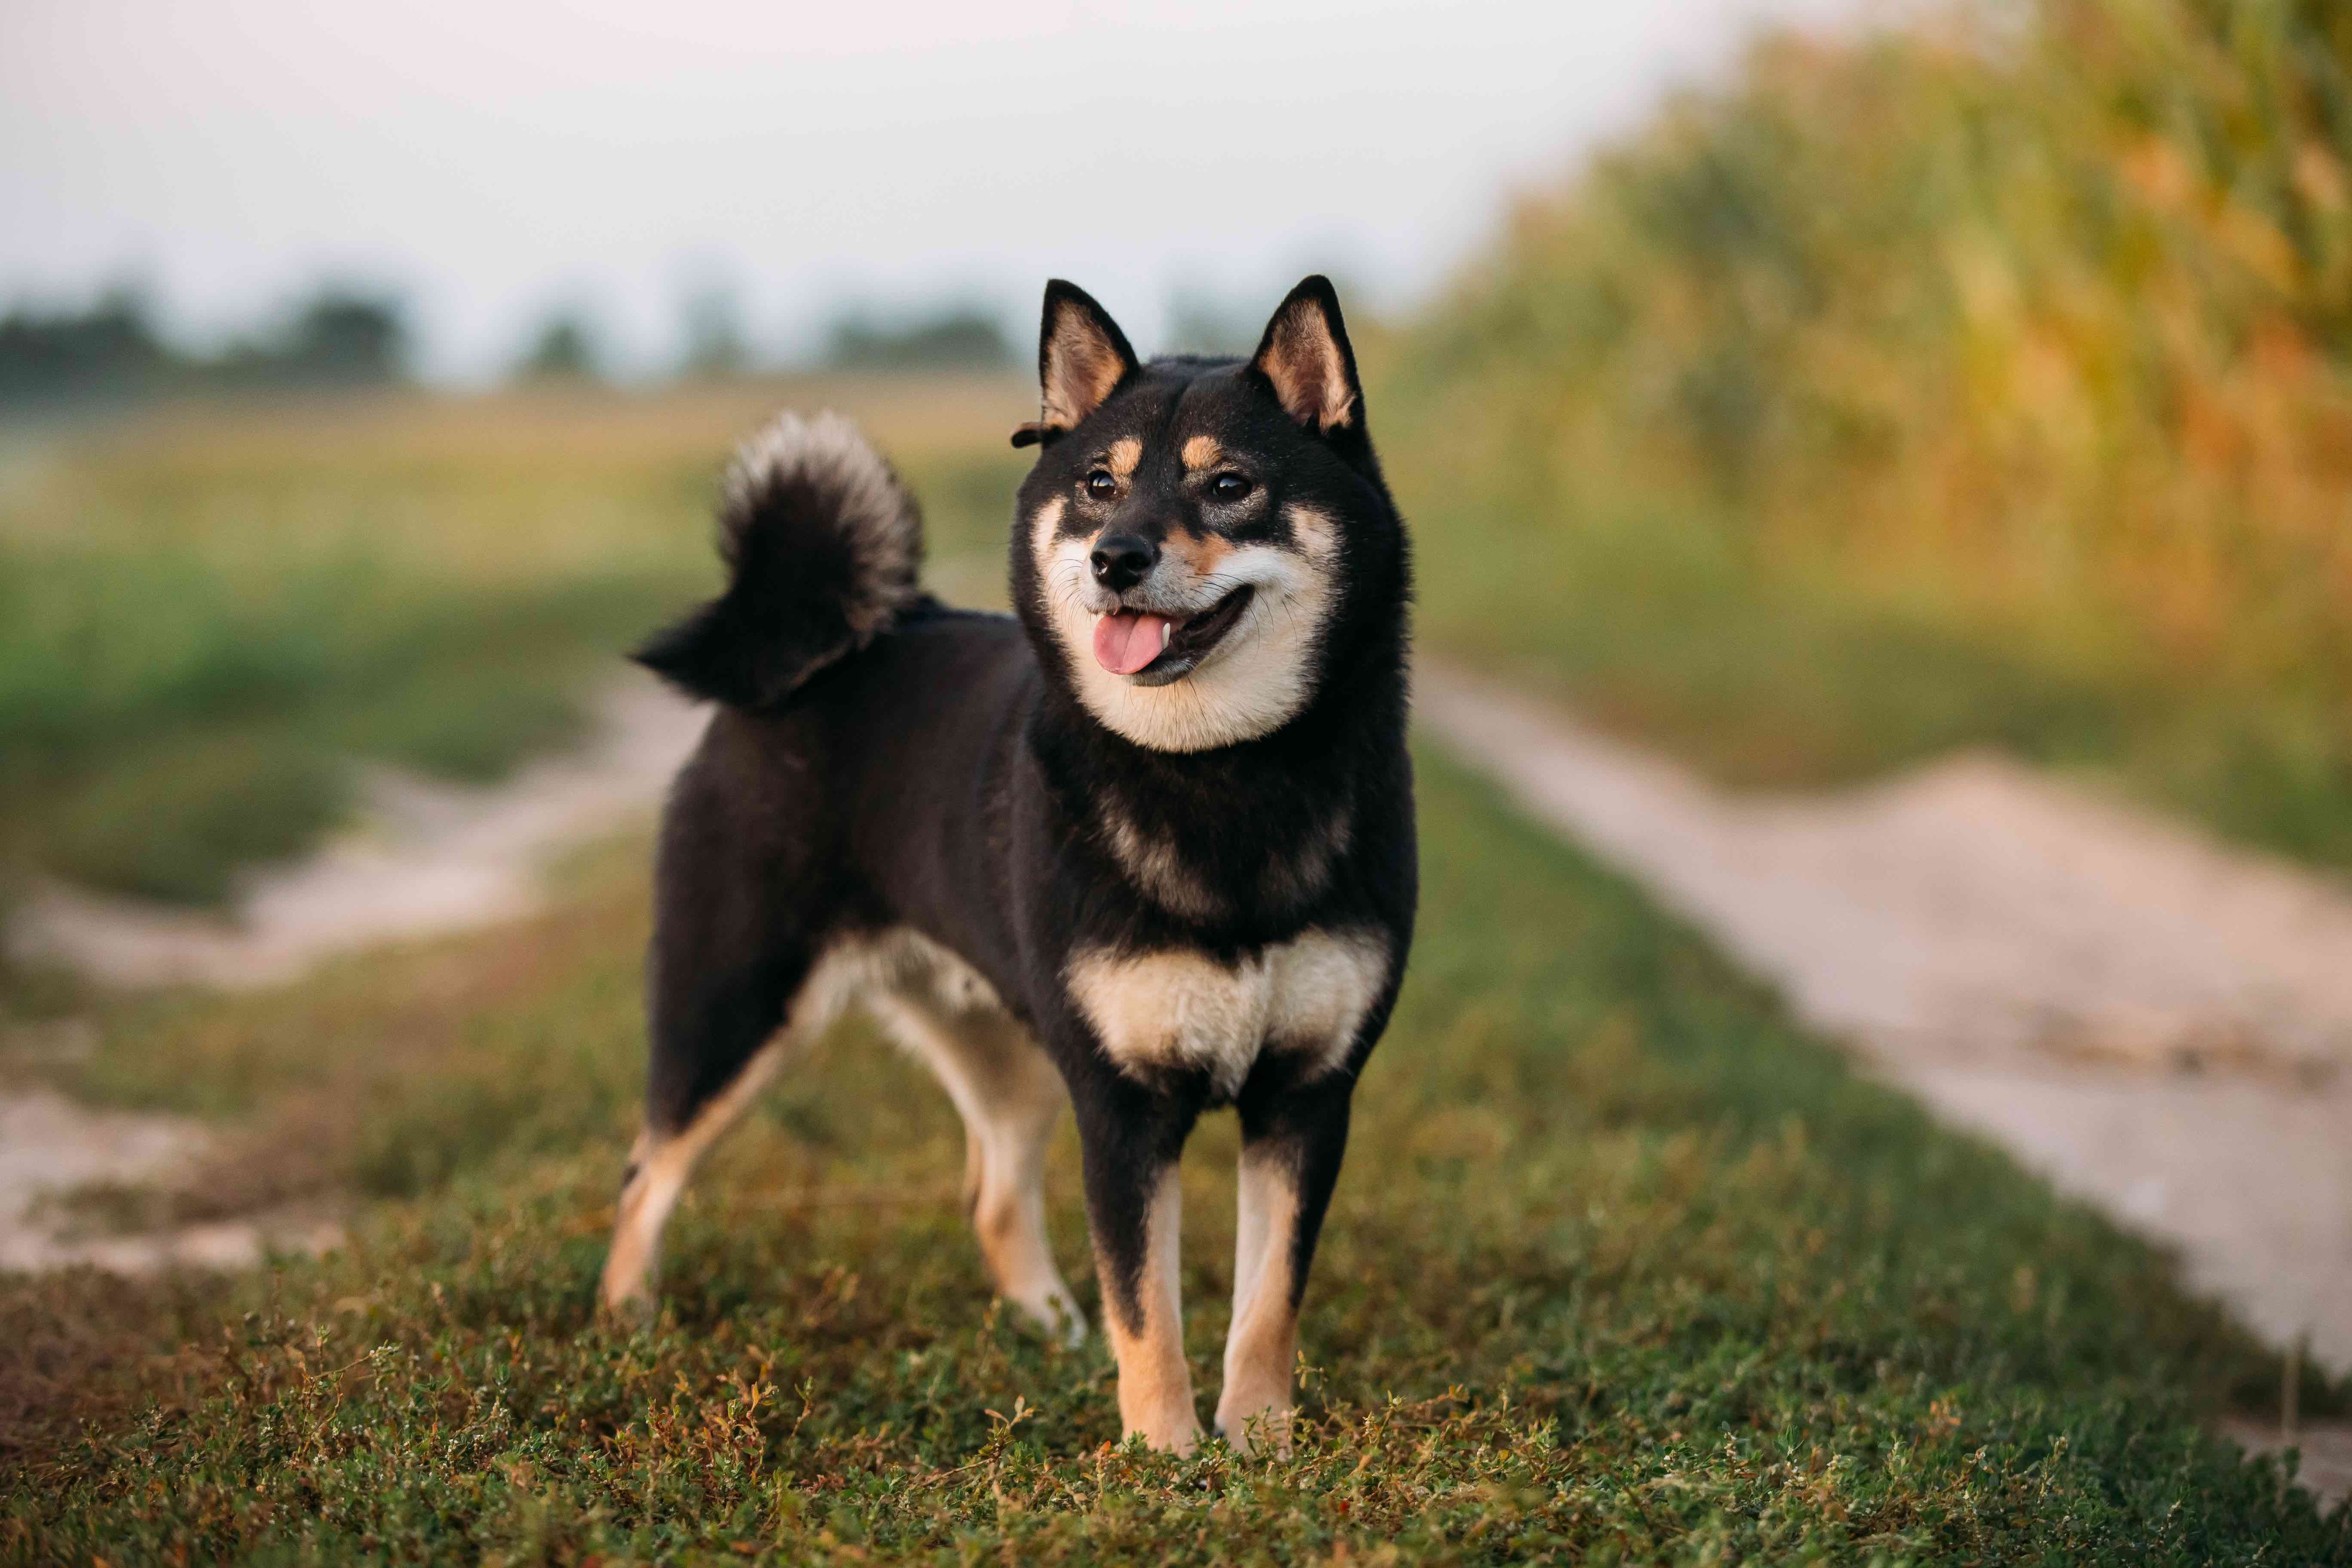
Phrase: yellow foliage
(2042, 316)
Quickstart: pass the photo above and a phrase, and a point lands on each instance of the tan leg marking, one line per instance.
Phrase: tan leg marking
(1009, 1094)
(1253, 1408)
(661, 1167)
(1155, 1386)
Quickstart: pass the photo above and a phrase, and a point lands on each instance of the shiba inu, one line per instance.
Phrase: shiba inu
(1145, 847)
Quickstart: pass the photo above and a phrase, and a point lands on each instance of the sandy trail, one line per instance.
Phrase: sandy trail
(2159, 1025)
(49, 1145)
(426, 858)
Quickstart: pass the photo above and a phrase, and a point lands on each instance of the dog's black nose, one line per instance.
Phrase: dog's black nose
(1122, 560)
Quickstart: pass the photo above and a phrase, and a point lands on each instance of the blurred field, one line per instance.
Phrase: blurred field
(209, 616)
(1624, 1269)
(1984, 382)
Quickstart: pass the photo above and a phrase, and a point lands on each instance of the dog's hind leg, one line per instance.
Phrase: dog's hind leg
(733, 981)
(659, 1166)
(718, 1042)
(718, 1039)
(1009, 1095)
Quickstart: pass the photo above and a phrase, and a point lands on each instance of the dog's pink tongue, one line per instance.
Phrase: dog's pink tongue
(1125, 642)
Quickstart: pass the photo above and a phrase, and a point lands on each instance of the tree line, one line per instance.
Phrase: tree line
(115, 349)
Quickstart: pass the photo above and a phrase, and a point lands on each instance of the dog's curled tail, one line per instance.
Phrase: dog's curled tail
(823, 545)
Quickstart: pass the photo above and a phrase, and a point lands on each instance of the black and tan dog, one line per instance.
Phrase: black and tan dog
(1159, 826)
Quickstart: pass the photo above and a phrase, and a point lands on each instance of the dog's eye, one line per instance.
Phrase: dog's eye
(1228, 487)
(1100, 485)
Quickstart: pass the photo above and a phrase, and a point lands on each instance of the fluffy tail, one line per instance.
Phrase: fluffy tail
(823, 545)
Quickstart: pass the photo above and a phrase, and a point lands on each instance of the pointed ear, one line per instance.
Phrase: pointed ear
(1082, 356)
(1305, 357)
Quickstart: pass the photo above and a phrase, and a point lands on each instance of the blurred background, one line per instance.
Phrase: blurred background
(364, 378)
(1810, 389)
(1799, 390)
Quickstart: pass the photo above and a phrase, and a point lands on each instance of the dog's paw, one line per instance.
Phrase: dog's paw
(1056, 1317)
(622, 1307)
(1263, 1434)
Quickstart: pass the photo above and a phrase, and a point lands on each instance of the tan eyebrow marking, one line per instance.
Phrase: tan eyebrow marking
(1124, 454)
(1202, 452)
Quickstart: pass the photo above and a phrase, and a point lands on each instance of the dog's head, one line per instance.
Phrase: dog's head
(1201, 542)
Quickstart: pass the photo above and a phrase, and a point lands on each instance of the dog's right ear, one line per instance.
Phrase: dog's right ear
(1082, 356)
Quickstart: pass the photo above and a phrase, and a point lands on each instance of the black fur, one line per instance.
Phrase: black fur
(823, 546)
(943, 772)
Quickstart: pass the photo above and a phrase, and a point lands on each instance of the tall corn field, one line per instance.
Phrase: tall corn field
(2039, 317)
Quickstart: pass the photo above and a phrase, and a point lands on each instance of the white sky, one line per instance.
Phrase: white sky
(491, 161)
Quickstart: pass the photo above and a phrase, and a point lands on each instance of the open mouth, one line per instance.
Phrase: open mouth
(1153, 649)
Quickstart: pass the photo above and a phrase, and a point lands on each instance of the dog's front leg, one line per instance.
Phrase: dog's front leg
(1291, 1147)
(1132, 1138)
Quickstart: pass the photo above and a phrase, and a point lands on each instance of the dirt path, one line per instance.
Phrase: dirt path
(426, 859)
(2160, 1025)
(49, 1145)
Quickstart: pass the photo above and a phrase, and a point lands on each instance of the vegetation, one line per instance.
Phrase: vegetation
(563, 348)
(111, 352)
(1623, 1270)
(1985, 380)
(710, 322)
(967, 338)
(207, 619)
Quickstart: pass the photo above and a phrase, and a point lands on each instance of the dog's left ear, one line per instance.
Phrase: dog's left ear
(1306, 358)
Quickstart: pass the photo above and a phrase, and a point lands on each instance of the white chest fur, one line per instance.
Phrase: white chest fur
(1181, 1008)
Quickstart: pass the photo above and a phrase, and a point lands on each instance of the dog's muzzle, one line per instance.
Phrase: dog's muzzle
(1151, 648)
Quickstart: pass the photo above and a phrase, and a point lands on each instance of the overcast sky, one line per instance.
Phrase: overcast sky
(493, 161)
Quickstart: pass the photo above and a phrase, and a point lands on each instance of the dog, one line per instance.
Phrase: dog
(1146, 846)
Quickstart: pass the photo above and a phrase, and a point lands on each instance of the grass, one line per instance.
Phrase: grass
(208, 615)
(1624, 1268)
(1983, 380)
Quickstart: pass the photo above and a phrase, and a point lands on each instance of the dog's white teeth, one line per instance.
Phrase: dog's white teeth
(1167, 631)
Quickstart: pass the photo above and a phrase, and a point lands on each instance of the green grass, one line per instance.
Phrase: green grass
(208, 617)
(1649, 620)
(1651, 623)
(164, 734)
(1623, 1268)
